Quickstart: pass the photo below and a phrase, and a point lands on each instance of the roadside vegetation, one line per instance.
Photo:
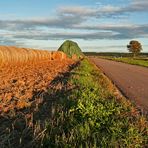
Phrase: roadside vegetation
(87, 113)
(141, 61)
(134, 57)
(115, 54)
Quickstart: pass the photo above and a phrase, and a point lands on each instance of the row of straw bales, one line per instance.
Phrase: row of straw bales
(13, 55)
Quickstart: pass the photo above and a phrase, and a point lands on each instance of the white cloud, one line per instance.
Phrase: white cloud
(139, 5)
(76, 20)
(106, 10)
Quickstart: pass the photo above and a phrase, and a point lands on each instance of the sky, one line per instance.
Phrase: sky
(96, 25)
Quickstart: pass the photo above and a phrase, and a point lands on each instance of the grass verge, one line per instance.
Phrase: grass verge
(87, 113)
(134, 61)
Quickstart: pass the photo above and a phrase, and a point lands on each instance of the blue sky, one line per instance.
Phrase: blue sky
(97, 25)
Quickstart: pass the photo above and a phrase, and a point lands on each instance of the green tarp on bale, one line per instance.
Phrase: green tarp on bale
(71, 48)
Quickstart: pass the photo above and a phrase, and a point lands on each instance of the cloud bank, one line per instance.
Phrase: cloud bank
(77, 22)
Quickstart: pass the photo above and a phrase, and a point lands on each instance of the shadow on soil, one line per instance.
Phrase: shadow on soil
(26, 128)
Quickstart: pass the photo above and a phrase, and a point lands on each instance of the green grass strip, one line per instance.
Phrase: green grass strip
(87, 114)
(130, 60)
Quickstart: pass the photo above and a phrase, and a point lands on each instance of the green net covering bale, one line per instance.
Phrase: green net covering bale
(71, 49)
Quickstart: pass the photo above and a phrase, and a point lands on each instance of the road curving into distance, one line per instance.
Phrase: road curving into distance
(131, 80)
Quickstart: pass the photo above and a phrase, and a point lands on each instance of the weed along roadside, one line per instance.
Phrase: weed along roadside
(87, 113)
(129, 60)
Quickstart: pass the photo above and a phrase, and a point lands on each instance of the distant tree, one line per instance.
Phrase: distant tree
(135, 47)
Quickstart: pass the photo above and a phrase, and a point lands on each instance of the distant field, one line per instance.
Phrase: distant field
(129, 60)
(141, 59)
(113, 54)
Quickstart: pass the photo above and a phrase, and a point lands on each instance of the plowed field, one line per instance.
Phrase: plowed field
(24, 77)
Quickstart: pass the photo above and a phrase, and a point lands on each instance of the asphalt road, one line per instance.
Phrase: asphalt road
(131, 80)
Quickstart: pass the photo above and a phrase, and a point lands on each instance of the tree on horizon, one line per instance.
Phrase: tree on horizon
(135, 47)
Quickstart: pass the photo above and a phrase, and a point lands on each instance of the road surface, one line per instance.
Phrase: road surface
(131, 80)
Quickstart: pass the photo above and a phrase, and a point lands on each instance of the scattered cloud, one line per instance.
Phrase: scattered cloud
(85, 32)
(126, 31)
(61, 21)
(106, 10)
(77, 18)
(138, 5)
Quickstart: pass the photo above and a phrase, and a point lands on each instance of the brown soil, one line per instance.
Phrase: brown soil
(25, 98)
(132, 80)
(19, 84)
(26, 78)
